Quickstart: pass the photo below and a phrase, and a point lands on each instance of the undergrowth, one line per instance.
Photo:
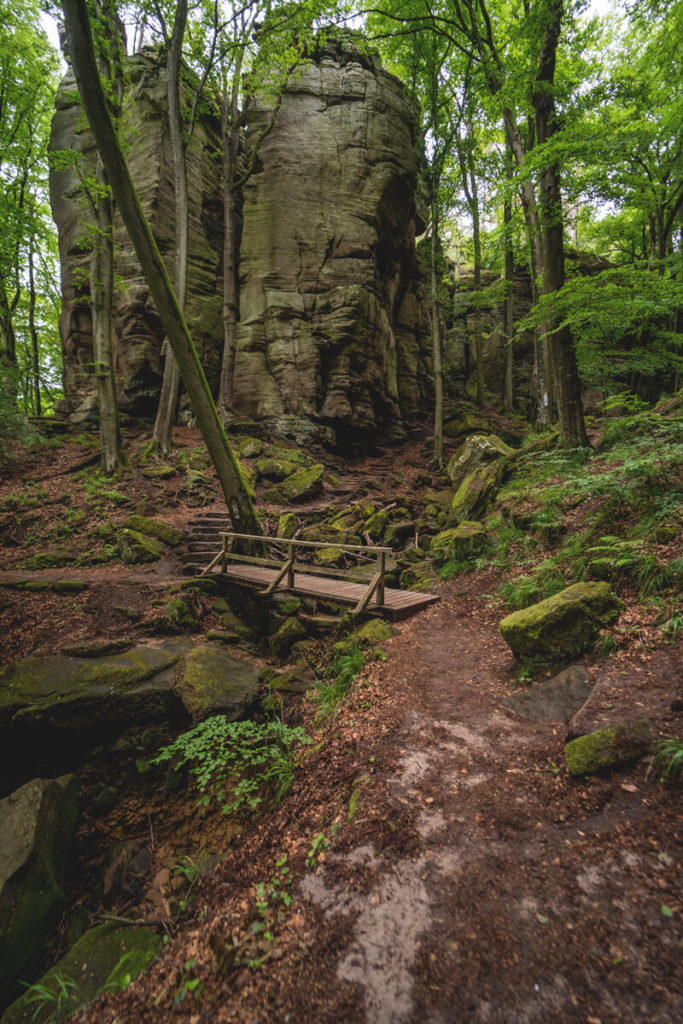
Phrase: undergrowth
(336, 681)
(237, 764)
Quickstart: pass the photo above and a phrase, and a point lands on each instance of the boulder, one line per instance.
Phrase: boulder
(162, 472)
(476, 471)
(230, 621)
(287, 525)
(289, 633)
(50, 558)
(555, 700)
(105, 959)
(606, 748)
(136, 548)
(464, 541)
(274, 469)
(306, 483)
(55, 701)
(329, 557)
(249, 447)
(397, 531)
(155, 528)
(374, 631)
(322, 533)
(562, 626)
(37, 824)
(210, 680)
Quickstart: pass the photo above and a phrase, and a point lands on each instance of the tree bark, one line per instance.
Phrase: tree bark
(509, 315)
(79, 35)
(230, 141)
(168, 399)
(35, 355)
(436, 336)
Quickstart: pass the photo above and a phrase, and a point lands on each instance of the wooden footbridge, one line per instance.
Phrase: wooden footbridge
(366, 592)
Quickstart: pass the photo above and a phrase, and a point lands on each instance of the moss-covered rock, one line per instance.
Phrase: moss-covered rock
(324, 533)
(136, 548)
(329, 557)
(37, 823)
(418, 576)
(230, 621)
(274, 469)
(476, 471)
(297, 679)
(561, 626)
(50, 558)
(374, 631)
(606, 748)
(249, 447)
(460, 542)
(286, 604)
(69, 586)
(162, 472)
(287, 525)
(376, 524)
(282, 641)
(397, 532)
(105, 959)
(304, 484)
(155, 528)
(210, 680)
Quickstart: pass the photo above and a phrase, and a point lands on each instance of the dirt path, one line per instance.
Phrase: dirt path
(476, 882)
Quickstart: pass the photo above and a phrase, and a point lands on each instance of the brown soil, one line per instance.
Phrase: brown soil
(475, 881)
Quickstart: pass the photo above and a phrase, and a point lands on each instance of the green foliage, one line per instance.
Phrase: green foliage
(50, 1000)
(237, 764)
(340, 675)
(669, 758)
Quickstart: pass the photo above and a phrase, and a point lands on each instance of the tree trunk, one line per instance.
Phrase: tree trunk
(509, 328)
(476, 238)
(8, 352)
(35, 357)
(101, 306)
(230, 142)
(436, 337)
(168, 399)
(79, 35)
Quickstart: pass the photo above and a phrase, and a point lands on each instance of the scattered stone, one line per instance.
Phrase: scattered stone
(286, 604)
(555, 700)
(606, 748)
(397, 532)
(155, 528)
(274, 469)
(562, 626)
(37, 824)
(136, 548)
(162, 472)
(202, 584)
(69, 586)
(463, 541)
(297, 679)
(329, 557)
(211, 680)
(249, 447)
(287, 525)
(304, 484)
(374, 631)
(230, 621)
(286, 636)
(375, 525)
(50, 558)
(419, 576)
(105, 959)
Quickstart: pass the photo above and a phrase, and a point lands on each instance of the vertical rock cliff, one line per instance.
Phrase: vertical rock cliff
(332, 323)
(137, 330)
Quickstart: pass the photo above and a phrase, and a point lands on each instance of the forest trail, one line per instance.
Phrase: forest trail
(474, 882)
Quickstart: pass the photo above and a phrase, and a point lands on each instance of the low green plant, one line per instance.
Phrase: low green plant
(669, 758)
(188, 983)
(320, 843)
(337, 680)
(237, 764)
(50, 999)
(672, 627)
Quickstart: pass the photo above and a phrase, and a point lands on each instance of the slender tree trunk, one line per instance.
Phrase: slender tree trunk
(8, 352)
(168, 399)
(436, 335)
(230, 142)
(35, 356)
(476, 239)
(509, 314)
(81, 50)
(101, 305)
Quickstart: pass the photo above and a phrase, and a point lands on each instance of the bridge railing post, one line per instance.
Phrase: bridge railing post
(381, 565)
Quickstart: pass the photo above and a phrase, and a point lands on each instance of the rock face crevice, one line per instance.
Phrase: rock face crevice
(333, 334)
(332, 321)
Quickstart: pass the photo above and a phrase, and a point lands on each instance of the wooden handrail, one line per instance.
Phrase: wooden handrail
(308, 543)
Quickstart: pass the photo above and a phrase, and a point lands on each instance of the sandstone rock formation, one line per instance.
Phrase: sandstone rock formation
(332, 322)
(334, 333)
(137, 329)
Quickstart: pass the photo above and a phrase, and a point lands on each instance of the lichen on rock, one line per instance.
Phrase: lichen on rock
(608, 747)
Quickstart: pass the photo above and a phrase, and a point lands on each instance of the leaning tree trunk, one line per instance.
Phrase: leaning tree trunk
(168, 399)
(79, 36)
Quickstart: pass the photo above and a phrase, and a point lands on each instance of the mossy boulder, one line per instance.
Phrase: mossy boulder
(562, 626)
(476, 470)
(50, 558)
(210, 680)
(287, 525)
(37, 824)
(84, 696)
(136, 548)
(374, 631)
(329, 557)
(230, 621)
(289, 633)
(156, 528)
(397, 532)
(286, 604)
(249, 447)
(297, 679)
(162, 472)
(606, 748)
(69, 586)
(105, 959)
(274, 469)
(376, 524)
(304, 484)
(463, 541)
(324, 533)
(418, 575)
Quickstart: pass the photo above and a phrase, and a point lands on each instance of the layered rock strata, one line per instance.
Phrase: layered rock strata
(138, 333)
(332, 321)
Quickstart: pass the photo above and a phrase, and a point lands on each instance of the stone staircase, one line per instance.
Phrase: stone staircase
(203, 541)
